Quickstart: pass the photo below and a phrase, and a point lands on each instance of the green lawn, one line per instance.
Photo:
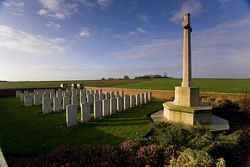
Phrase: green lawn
(214, 85)
(25, 130)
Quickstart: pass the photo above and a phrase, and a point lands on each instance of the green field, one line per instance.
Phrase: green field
(25, 130)
(212, 85)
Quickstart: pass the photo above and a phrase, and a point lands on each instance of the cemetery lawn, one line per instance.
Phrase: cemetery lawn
(26, 131)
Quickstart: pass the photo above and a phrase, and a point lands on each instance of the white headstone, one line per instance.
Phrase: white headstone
(149, 96)
(137, 100)
(37, 98)
(71, 115)
(28, 100)
(105, 107)
(120, 104)
(66, 101)
(145, 97)
(107, 95)
(102, 96)
(18, 93)
(85, 112)
(21, 95)
(46, 104)
(56, 104)
(74, 98)
(52, 93)
(90, 98)
(142, 100)
(113, 106)
(132, 101)
(126, 102)
(112, 95)
(97, 109)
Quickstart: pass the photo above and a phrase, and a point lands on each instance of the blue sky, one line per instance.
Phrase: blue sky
(91, 39)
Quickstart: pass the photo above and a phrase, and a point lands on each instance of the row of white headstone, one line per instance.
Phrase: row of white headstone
(93, 104)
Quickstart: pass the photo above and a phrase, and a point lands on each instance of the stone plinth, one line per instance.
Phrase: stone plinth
(199, 115)
(186, 96)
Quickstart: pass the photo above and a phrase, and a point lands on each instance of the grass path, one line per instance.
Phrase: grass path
(25, 130)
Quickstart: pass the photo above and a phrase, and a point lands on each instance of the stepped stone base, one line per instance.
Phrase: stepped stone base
(198, 115)
(216, 124)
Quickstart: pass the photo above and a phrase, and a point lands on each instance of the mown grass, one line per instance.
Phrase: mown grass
(25, 130)
(212, 85)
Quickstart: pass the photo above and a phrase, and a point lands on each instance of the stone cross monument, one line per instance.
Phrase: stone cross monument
(187, 72)
(187, 107)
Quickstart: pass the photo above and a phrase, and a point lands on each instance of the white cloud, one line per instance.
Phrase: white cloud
(16, 7)
(62, 9)
(140, 29)
(42, 12)
(192, 6)
(104, 3)
(59, 9)
(23, 43)
(85, 33)
(54, 25)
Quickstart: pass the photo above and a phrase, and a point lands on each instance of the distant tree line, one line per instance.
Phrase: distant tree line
(126, 77)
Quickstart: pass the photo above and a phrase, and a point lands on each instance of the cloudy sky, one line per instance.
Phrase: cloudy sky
(90, 39)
